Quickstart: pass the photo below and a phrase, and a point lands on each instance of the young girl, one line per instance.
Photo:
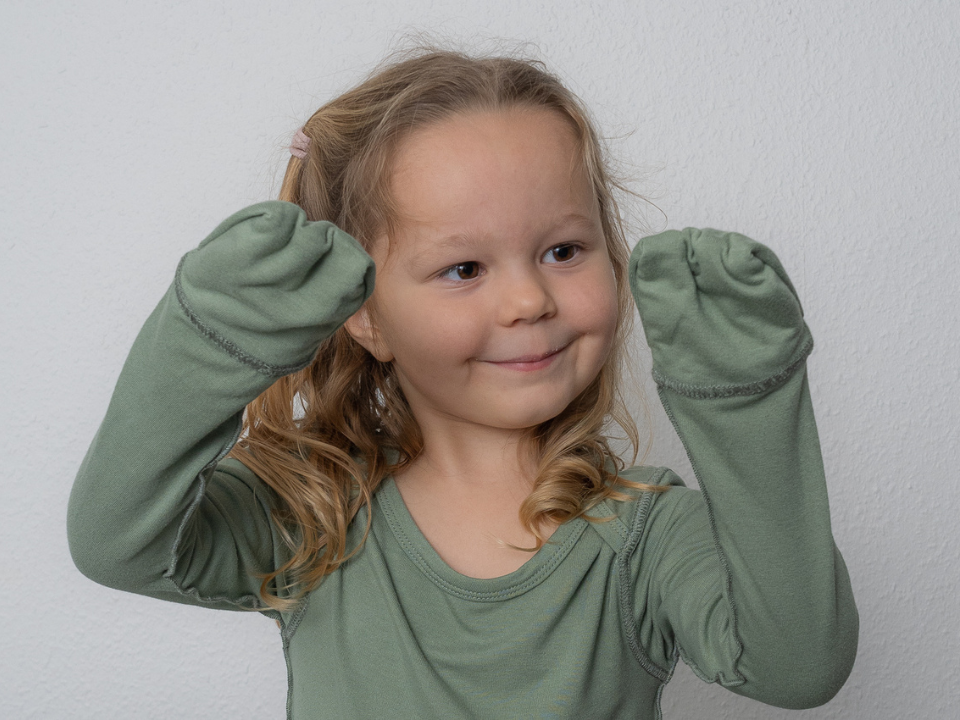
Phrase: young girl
(420, 491)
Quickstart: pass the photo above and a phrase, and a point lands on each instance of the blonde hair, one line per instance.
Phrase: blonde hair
(325, 438)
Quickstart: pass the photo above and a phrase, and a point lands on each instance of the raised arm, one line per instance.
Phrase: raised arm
(153, 510)
(746, 582)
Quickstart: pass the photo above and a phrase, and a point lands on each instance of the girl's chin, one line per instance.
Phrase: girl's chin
(531, 418)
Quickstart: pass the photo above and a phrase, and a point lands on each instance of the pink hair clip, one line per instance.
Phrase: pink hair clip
(300, 144)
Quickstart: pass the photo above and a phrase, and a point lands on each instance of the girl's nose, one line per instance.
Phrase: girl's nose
(525, 297)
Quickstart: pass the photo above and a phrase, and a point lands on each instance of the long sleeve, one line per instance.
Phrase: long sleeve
(744, 581)
(153, 509)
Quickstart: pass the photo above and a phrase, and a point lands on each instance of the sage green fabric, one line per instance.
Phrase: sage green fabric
(742, 580)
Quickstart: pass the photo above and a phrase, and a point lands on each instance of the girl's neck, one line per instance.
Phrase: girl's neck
(465, 496)
(475, 456)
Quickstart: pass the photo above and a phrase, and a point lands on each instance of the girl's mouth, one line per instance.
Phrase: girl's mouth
(530, 362)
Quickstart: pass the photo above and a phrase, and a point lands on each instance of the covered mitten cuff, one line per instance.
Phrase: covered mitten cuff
(719, 312)
(268, 286)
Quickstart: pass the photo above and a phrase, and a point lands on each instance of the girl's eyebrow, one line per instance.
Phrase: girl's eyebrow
(466, 241)
(434, 251)
(578, 219)
(461, 240)
(453, 242)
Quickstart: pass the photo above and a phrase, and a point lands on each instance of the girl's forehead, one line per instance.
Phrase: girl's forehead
(508, 127)
(482, 160)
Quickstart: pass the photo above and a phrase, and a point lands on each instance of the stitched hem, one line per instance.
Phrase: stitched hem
(227, 346)
(721, 391)
(625, 597)
(289, 663)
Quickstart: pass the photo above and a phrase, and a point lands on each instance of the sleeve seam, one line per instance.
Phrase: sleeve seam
(626, 585)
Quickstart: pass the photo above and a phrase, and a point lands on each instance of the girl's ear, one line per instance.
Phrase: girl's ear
(361, 328)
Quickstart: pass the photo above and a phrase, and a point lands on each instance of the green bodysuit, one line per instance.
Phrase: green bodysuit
(742, 580)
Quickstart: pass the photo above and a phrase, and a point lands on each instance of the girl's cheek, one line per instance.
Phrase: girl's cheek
(598, 301)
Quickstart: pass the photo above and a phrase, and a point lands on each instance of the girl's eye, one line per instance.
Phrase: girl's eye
(462, 271)
(561, 253)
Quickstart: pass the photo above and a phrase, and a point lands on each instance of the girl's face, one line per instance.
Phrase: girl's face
(495, 299)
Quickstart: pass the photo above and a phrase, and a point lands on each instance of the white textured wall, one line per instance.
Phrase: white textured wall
(826, 129)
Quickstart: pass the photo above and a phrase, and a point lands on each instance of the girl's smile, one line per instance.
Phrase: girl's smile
(495, 296)
(529, 362)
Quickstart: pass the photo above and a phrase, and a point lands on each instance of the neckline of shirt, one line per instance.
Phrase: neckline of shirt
(428, 561)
